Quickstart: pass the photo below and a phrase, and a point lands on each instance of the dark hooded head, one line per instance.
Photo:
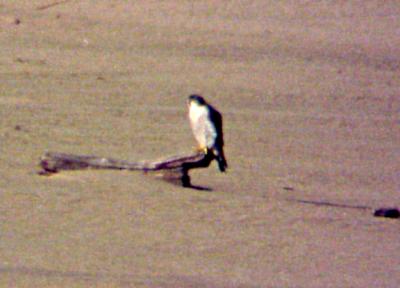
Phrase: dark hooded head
(197, 99)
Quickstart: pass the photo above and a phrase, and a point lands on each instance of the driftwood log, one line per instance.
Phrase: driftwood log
(173, 169)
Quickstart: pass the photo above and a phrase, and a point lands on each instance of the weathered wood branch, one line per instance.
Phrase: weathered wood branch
(174, 169)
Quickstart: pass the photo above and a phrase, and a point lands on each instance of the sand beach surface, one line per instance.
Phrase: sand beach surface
(310, 94)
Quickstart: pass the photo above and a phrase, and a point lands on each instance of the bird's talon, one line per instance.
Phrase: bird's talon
(202, 150)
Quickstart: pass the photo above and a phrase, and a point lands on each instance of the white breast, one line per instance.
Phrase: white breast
(203, 129)
(196, 112)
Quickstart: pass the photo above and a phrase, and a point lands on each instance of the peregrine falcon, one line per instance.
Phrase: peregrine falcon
(206, 123)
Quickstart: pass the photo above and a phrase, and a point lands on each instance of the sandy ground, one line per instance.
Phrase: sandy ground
(310, 94)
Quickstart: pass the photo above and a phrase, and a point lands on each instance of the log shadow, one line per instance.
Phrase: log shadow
(200, 188)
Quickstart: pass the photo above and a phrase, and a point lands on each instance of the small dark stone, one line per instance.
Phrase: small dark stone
(387, 213)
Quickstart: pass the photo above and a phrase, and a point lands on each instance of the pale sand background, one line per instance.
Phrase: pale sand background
(310, 95)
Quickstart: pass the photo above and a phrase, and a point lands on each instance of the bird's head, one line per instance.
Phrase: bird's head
(197, 99)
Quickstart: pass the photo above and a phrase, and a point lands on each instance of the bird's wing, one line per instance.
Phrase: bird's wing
(216, 119)
(218, 151)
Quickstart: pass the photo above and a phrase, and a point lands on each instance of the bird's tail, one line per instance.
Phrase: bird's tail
(221, 161)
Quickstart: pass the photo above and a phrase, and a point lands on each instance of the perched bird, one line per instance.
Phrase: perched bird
(206, 123)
